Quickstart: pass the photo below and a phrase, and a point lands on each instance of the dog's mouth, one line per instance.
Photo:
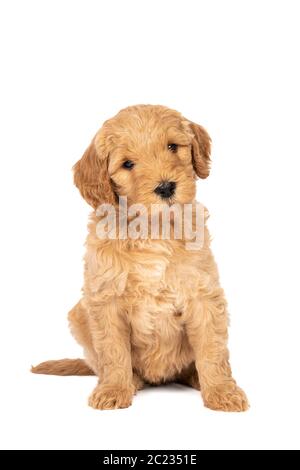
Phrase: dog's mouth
(170, 201)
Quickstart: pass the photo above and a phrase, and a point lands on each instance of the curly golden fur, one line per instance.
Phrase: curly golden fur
(152, 311)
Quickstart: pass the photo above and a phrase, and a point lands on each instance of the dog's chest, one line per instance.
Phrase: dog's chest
(158, 290)
(157, 297)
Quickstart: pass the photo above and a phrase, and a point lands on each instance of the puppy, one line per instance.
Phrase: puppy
(152, 311)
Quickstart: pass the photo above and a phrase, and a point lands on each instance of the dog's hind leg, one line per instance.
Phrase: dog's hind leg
(80, 329)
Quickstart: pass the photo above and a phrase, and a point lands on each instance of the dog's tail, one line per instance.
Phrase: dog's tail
(63, 367)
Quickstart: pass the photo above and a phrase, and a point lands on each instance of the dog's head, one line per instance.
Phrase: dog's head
(150, 154)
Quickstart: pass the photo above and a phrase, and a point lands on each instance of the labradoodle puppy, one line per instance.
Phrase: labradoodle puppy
(152, 311)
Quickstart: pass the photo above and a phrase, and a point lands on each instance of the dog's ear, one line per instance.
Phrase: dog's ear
(92, 179)
(201, 147)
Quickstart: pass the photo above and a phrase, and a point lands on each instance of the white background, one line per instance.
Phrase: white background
(232, 66)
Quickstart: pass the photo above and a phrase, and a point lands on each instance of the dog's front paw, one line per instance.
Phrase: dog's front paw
(111, 397)
(225, 397)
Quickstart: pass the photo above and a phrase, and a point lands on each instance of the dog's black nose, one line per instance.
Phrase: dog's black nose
(165, 189)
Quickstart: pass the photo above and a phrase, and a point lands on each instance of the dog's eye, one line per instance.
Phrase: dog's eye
(128, 164)
(173, 147)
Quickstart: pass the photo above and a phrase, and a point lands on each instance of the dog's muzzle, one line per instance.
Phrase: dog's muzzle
(165, 189)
